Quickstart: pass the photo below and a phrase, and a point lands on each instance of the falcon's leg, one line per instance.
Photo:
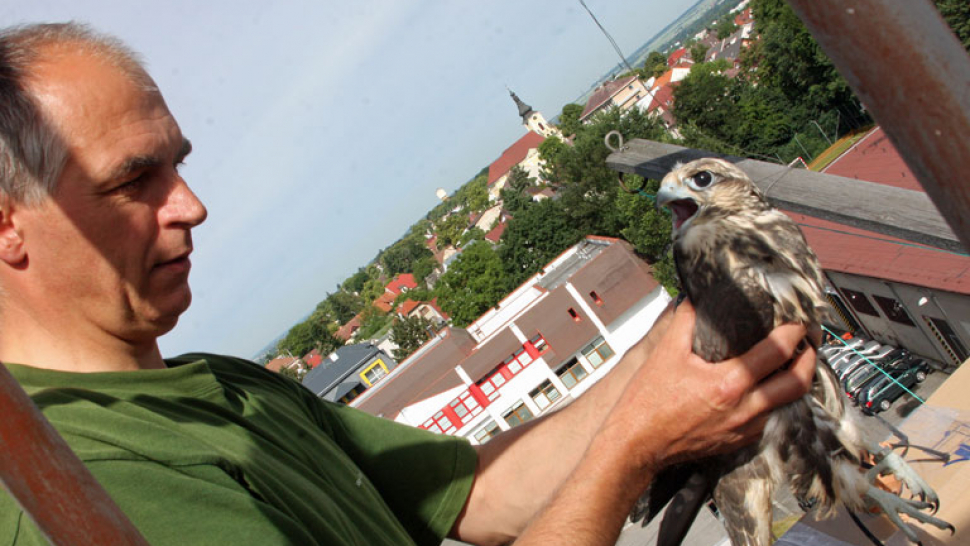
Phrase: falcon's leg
(889, 462)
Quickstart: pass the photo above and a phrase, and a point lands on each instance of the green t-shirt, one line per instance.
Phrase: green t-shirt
(215, 450)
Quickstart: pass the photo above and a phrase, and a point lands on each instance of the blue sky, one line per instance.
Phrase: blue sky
(322, 129)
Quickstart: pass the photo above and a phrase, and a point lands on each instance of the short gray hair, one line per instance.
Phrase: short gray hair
(32, 154)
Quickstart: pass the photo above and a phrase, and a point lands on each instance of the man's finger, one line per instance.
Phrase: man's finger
(770, 353)
(787, 385)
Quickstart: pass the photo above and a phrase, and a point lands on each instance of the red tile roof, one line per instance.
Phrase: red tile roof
(402, 281)
(676, 56)
(496, 233)
(280, 362)
(385, 302)
(874, 158)
(513, 155)
(604, 93)
(407, 307)
(662, 97)
(347, 330)
(856, 251)
(313, 359)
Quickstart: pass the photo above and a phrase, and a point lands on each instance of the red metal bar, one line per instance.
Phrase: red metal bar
(48, 480)
(913, 75)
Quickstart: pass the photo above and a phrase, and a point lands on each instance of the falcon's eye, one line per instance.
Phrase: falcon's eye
(702, 179)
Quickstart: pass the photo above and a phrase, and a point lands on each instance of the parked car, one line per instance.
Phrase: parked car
(854, 382)
(840, 358)
(837, 346)
(880, 394)
(849, 366)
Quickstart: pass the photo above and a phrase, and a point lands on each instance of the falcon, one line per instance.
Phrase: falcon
(747, 268)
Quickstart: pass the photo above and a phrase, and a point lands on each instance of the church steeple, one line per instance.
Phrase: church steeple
(524, 109)
(532, 120)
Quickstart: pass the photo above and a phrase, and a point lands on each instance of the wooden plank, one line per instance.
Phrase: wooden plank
(48, 480)
(913, 75)
(897, 212)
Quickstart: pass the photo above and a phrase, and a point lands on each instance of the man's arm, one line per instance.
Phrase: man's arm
(579, 470)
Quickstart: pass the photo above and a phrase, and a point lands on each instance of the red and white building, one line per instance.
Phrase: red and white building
(544, 344)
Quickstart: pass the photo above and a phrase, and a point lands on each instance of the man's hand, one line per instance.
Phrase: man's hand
(678, 406)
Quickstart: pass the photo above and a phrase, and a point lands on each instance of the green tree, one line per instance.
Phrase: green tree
(422, 268)
(409, 334)
(586, 185)
(474, 282)
(306, 336)
(698, 51)
(513, 194)
(655, 65)
(726, 26)
(535, 236)
(373, 322)
(355, 282)
(296, 374)
(569, 118)
(403, 254)
(450, 229)
(339, 307)
(646, 228)
(472, 234)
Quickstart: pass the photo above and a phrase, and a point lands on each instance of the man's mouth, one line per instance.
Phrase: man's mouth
(682, 210)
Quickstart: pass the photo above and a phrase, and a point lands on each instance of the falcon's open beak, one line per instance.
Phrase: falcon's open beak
(680, 201)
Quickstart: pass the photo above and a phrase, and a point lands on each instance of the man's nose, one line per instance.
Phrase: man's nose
(183, 207)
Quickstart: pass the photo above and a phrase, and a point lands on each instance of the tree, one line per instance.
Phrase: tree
(535, 236)
(655, 65)
(585, 183)
(340, 307)
(306, 336)
(403, 254)
(569, 118)
(513, 194)
(409, 334)
(646, 228)
(726, 26)
(372, 322)
(698, 52)
(474, 283)
(472, 234)
(450, 229)
(355, 282)
(296, 374)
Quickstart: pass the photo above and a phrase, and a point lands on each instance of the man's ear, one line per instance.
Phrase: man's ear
(12, 250)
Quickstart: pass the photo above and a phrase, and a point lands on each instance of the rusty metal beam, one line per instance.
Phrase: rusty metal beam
(48, 480)
(913, 75)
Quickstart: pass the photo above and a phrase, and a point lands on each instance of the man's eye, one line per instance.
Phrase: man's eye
(133, 184)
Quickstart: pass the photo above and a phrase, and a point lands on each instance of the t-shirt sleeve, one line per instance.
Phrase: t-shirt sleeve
(425, 478)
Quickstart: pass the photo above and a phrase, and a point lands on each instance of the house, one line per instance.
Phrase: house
(280, 362)
(347, 331)
(895, 291)
(623, 94)
(424, 309)
(398, 285)
(312, 359)
(524, 153)
(349, 371)
(547, 342)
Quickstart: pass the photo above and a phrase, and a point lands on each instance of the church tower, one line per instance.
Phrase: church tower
(533, 120)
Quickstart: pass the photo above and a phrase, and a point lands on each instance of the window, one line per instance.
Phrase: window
(596, 298)
(860, 302)
(574, 314)
(598, 352)
(486, 432)
(517, 360)
(545, 394)
(374, 372)
(539, 343)
(893, 310)
(517, 415)
(571, 373)
(354, 393)
(465, 407)
(439, 423)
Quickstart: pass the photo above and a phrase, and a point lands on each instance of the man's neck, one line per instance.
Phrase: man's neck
(26, 341)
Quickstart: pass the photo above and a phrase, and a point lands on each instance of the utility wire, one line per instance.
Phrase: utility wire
(608, 37)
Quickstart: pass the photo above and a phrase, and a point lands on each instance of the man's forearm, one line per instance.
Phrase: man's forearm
(553, 445)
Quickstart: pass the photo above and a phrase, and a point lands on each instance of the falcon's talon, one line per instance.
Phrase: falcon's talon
(892, 506)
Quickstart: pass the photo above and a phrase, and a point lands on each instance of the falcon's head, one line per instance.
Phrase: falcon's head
(707, 189)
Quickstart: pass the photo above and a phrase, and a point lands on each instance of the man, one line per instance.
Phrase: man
(95, 237)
